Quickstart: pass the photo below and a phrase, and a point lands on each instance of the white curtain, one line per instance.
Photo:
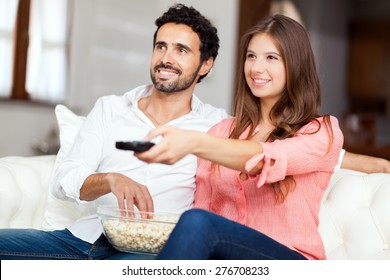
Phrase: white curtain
(47, 53)
(8, 10)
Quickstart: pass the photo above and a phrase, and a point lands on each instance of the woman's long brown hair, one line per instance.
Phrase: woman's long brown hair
(301, 100)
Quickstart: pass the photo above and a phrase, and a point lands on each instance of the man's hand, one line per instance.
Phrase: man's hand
(128, 192)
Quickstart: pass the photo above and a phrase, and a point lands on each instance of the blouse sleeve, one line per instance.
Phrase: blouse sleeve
(308, 151)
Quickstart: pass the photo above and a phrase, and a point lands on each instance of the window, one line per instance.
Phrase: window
(7, 22)
(33, 44)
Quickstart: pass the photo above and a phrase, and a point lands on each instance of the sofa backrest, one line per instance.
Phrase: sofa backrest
(24, 183)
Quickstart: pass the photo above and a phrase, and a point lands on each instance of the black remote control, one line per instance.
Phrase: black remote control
(136, 146)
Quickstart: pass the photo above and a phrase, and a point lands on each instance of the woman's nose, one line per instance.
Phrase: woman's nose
(259, 66)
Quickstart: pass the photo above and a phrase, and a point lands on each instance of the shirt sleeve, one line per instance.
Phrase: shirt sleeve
(341, 157)
(84, 157)
(308, 151)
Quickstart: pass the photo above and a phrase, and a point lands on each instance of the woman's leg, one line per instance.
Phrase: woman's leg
(203, 235)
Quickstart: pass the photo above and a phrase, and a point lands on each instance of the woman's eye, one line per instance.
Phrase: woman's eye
(271, 57)
(250, 56)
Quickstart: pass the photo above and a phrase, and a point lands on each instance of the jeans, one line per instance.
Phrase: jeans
(30, 244)
(201, 235)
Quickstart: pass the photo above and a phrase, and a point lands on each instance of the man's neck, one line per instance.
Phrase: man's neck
(162, 108)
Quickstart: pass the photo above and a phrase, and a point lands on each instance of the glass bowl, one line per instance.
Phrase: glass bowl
(136, 231)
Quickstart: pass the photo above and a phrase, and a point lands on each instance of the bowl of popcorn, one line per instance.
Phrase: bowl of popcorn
(136, 231)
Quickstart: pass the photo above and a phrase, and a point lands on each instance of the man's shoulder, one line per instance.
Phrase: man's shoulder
(210, 109)
(207, 110)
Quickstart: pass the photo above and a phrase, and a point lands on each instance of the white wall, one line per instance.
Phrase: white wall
(22, 125)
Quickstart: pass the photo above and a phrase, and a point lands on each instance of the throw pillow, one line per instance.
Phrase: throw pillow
(59, 213)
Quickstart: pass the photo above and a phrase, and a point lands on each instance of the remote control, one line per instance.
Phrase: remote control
(136, 146)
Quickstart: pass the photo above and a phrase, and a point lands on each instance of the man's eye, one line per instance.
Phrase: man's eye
(159, 47)
(183, 51)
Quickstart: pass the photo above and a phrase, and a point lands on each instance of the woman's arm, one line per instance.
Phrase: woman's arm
(177, 143)
(308, 151)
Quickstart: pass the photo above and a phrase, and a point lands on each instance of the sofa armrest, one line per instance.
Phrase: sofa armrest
(354, 219)
(24, 183)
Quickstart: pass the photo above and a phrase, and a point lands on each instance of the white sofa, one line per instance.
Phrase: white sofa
(354, 216)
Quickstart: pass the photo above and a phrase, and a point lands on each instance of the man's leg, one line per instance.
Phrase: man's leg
(102, 249)
(28, 244)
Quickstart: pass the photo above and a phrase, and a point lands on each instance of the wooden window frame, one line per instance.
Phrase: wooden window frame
(21, 41)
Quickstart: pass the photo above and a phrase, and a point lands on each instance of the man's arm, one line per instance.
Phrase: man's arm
(364, 163)
(127, 191)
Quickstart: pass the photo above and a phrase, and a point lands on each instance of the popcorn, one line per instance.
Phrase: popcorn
(139, 235)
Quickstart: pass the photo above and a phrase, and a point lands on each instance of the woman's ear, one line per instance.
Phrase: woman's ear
(206, 66)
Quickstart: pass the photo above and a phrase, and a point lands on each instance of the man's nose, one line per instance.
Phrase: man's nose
(167, 57)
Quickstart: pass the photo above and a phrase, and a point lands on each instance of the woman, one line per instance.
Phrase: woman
(262, 173)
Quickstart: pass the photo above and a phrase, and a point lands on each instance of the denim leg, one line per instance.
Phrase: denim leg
(203, 235)
(102, 249)
(30, 244)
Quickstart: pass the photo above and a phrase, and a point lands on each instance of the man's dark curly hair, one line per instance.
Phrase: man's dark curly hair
(181, 14)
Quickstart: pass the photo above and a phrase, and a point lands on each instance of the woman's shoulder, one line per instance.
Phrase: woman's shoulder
(320, 122)
(324, 126)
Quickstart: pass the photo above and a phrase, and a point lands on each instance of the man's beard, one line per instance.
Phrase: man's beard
(182, 83)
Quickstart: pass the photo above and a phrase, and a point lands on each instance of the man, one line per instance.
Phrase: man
(96, 173)
(364, 163)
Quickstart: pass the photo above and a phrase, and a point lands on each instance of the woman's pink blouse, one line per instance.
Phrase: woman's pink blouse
(309, 157)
